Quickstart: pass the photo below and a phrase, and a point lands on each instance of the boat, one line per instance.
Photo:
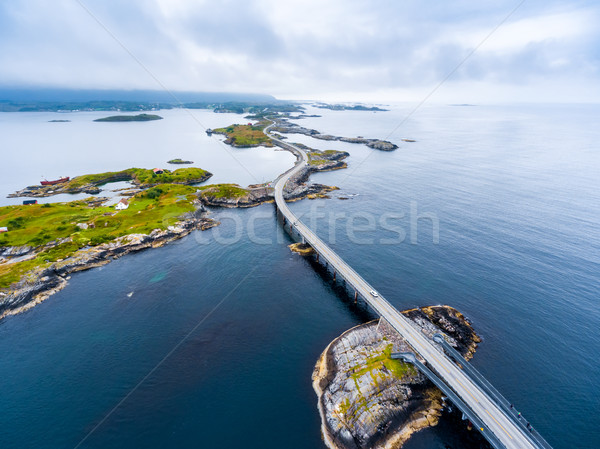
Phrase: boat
(56, 181)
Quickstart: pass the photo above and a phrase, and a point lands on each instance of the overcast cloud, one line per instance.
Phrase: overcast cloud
(332, 50)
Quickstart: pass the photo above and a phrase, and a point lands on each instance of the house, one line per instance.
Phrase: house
(122, 204)
(30, 202)
(158, 171)
(3, 229)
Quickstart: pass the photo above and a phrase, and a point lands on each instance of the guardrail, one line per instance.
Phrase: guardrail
(456, 400)
(507, 407)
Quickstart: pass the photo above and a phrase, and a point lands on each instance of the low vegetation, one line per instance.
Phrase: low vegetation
(141, 176)
(223, 191)
(397, 368)
(68, 227)
(245, 135)
(179, 161)
(130, 118)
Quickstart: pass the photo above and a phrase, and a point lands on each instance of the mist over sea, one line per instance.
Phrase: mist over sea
(494, 210)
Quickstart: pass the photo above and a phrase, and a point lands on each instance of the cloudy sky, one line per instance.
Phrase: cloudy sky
(331, 50)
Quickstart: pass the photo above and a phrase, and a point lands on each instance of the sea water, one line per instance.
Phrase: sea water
(211, 341)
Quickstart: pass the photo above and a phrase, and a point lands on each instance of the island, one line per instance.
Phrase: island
(179, 161)
(343, 107)
(140, 177)
(130, 118)
(245, 136)
(58, 121)
(366, 399)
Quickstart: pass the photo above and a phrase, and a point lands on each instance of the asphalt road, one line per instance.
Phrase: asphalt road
(491, 414)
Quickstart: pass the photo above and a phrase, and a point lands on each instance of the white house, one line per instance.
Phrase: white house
(122, 204)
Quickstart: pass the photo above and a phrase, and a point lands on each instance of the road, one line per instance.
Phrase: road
(510, 435)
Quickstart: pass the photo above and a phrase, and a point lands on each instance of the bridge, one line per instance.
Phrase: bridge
(501, 428)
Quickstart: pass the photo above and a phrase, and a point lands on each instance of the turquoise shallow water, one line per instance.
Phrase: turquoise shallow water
(515, 190)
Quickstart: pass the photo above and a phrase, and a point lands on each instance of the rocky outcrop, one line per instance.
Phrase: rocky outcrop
(304, 249)
(368, 400)
(286, 127)
(253, 197)
(39, 284)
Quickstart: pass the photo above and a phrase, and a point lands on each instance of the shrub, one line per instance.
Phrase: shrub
(154, 193)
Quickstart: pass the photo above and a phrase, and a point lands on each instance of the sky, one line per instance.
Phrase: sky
(337, 50)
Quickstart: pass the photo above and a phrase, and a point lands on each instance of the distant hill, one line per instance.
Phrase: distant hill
(21, 95)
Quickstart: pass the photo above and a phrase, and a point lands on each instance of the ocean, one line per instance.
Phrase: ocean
(211, 341)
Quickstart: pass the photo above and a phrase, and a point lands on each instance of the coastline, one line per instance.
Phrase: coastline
(42, 283)
(37, 284)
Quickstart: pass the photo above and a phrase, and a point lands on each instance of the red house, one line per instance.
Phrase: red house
(158, 171)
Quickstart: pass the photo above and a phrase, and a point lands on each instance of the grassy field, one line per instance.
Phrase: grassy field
(245, 135)
(35, 225)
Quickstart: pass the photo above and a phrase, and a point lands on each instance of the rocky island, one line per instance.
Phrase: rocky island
(130, 118)
(286, 127)
(179, 161)
(366, 399)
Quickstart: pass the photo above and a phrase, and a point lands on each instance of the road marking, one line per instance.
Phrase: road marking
(467, 390)
(498, 423)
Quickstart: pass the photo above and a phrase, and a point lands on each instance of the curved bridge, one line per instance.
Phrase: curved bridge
(499, 427)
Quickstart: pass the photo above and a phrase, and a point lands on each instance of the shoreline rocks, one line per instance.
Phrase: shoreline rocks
(285, 127)
(41, 283)
(368, 400)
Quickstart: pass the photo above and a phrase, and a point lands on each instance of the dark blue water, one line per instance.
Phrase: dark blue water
(515, 192)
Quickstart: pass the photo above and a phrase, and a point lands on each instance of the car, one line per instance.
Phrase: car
(374, 293)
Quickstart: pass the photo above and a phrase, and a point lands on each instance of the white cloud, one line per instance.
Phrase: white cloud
(300, 48)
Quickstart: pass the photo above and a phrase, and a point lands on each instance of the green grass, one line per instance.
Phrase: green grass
(38, 224)
(223, 191)
(398, 368)
(141, 176)
(245, 135)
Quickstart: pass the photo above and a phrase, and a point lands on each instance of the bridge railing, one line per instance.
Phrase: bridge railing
(456, 400)
(491, 391)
